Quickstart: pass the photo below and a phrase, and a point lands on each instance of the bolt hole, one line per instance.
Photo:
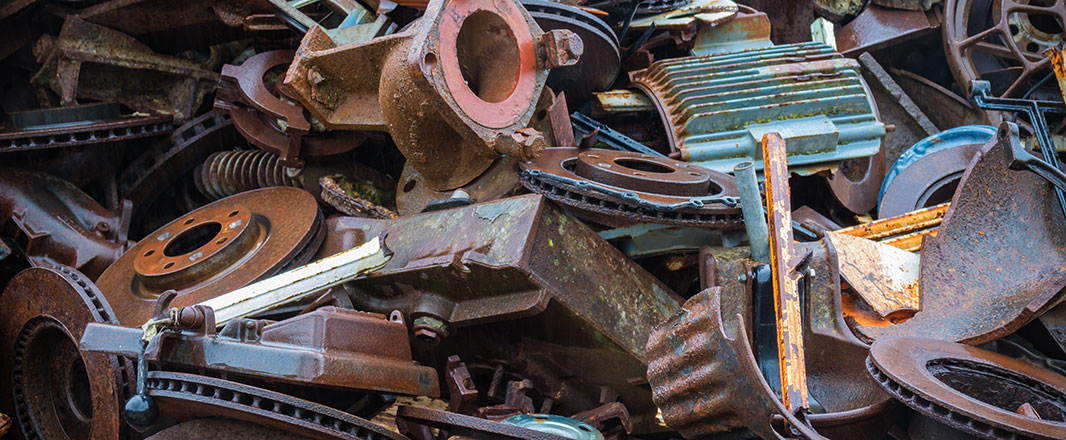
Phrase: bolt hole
(407, 187)
(168, 265)
(430, 60)
(149, 253)
(234, 213)
(221, 240)
(188, 221)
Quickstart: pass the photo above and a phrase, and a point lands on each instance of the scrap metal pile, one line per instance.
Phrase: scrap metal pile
(532, 219)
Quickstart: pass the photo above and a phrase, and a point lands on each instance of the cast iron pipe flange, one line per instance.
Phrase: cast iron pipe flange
(212, 250)
(455, 90)
(970, 389)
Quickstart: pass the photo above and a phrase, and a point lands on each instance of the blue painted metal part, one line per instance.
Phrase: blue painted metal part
(716, 108)
(555, 424)
(955, 137)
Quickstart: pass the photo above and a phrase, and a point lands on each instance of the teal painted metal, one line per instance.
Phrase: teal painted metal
(716, 108)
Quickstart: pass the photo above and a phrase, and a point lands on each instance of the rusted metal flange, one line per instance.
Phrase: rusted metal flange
(620, 188)
(598, 66)
(455, 89)
(189, 396)
(215, 249)
(59, 392)
(998, 259)
(969, 389)
(930, 181)
(267, 121)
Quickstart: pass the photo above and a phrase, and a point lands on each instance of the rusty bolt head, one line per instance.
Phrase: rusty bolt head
(525, 144)
(430, 330)
(559, 48)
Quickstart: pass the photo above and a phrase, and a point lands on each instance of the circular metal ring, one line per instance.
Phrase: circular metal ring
(929, 181)
(59, 392)
(969, 389)
(599, 64)
(189, 396)
(620, 188)
(217, 248)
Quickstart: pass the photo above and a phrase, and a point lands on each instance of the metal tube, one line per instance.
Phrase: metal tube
(754, 216)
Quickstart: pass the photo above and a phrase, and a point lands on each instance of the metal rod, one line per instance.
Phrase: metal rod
(752, 207)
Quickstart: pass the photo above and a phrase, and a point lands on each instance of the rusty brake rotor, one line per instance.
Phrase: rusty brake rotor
(219, 247)
(59, 392)
(620, 188)
(973, 390)
(189, 396)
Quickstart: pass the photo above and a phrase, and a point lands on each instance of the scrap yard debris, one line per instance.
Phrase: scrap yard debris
(532, 219)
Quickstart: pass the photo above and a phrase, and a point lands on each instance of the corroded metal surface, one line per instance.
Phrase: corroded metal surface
(621, 188)
(222, 429)
(979, 392)
(598, 66)
(226, 173)
(121, 129)
(449, 121)
(787, 273)
(214, 249)
(95, 62)
(929, 181)
(58, 391)
(904, 231)
(484, 267)
(269, 122)
(886, 277)
(878, 27)
(57, 223)
(699, 402)
(998, 259)
(188, 396)
(315, 349)
(716, 108)
(1001, 41)
(161, 165)
(466, 426)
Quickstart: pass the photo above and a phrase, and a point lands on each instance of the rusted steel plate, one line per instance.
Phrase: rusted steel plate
(215, 249)
(787, 303)
(879, 27)
(904, 231)
(883, 275)
(999, 256)
(979, 392)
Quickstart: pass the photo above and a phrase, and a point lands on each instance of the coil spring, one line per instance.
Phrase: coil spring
(226, 173)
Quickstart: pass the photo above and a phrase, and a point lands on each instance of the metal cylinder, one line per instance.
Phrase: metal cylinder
(752, 207)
